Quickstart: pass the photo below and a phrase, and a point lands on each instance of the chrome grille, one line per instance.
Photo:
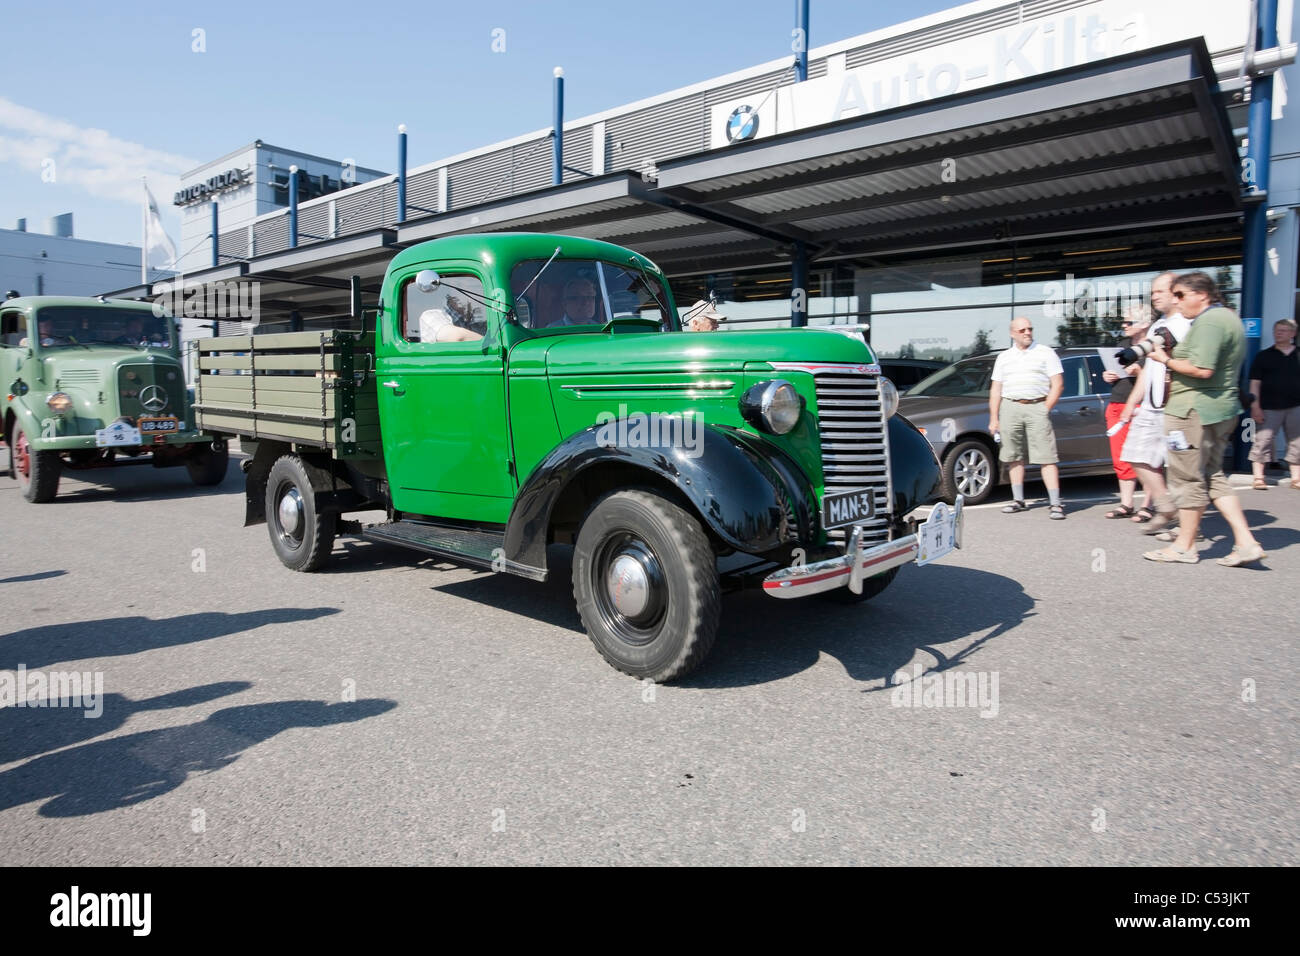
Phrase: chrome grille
(855, 441)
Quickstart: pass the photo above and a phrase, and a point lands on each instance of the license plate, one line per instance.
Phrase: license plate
(848, 507)
(153, 426)
(937, 535)
(116, 434)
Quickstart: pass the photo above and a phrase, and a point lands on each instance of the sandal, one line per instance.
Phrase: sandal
(1160, 522)
(1143, 515)
(1238, 557)
(1057, 512)
(1295, 484)
(1259, 484)
(1014, 507)
(1172, 555)
(1124, 511)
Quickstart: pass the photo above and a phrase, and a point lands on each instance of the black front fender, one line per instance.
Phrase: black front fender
(750, 494)
(913, 469)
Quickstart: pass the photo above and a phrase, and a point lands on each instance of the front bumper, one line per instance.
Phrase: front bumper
(929, 542)
(76, 442)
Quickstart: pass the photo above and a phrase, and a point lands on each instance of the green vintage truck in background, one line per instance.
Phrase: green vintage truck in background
(94, 383)
(518, 390)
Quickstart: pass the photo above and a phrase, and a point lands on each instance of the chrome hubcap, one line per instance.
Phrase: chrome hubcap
(290, 512)
(628, 584)
(972, 472)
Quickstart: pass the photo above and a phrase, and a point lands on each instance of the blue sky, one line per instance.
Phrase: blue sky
(112, 91)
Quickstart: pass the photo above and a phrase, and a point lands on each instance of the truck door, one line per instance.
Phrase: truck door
(442, 403)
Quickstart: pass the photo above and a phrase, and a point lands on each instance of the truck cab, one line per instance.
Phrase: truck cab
(520, 390)
(94, 383)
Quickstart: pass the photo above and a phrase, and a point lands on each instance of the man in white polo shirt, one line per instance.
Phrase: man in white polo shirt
(1027, 383)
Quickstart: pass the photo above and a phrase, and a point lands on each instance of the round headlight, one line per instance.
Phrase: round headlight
(888, 397)
(60, 402)
(772, 406)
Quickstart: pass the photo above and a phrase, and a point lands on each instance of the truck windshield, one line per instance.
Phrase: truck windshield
(586, 292)
(67, 326)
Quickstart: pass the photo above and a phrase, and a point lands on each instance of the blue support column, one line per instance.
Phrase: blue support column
(801, 40)
(293, 207)
(216, 237)
(1255, 234)
(401, 173)
(799, 286)
(557, 127)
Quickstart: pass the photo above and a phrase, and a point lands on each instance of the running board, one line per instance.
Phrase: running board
(480, 549)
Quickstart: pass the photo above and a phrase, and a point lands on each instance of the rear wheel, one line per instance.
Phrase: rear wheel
(37, 471)
(302, 538)
(207, 466)
(646, 585)
(970, 469)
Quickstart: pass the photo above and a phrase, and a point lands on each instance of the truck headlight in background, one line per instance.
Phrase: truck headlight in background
(60, 403)
(773, 406)
(888, 398)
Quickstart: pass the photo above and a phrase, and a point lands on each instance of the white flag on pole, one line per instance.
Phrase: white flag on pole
(155, 237)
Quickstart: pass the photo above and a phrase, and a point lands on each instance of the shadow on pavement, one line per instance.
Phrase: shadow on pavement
(30, 731)
(116, 636)
(122, 771)
(38, 576)
(937, 611)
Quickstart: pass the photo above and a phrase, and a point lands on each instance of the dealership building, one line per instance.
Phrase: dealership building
(929, 180)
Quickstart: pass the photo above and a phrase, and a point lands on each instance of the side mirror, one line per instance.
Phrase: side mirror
(427, 280)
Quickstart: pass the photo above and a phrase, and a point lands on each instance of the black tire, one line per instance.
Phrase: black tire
(207, 466)
(971, 469)
(307, 545)
(871, 587)
(669, 551)
(37, 471)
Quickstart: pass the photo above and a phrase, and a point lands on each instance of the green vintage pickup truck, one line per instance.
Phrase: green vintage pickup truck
(519, 390)
(95, 383)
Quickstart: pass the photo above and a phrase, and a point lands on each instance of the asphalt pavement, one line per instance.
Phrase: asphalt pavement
(395, 709)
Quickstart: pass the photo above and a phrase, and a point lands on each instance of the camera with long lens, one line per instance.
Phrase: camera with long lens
(1137, 352)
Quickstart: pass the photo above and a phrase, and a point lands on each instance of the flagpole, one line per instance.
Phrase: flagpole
(144, 233)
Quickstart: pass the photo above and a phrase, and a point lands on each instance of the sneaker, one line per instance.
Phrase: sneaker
(1057, 512)
(1014, 507)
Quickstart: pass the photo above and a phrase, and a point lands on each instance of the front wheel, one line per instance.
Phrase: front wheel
(207, 466)
(646, 585)
(37, 471)
(970, 470)
(302, 537)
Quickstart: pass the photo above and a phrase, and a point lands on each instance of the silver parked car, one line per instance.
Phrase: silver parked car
(951, 408)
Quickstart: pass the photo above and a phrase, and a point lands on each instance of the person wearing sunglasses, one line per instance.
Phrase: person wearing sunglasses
(1027, 382)
(1137, 319)
(1200, 417)
(580, 303)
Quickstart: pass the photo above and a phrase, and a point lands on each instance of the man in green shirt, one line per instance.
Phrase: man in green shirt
(1200, 417)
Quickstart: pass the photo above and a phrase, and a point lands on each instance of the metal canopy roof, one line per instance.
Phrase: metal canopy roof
(1136, 141)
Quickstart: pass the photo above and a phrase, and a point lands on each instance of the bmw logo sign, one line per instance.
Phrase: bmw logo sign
(742, 124)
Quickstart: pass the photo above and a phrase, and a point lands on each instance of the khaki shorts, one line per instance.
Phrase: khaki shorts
(1196, 474)
(1026, 433)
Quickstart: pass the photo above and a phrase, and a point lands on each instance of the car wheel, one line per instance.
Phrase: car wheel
(301, 537)
(646, 585)
(971, 470)
(207, 466)
(37, 471)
